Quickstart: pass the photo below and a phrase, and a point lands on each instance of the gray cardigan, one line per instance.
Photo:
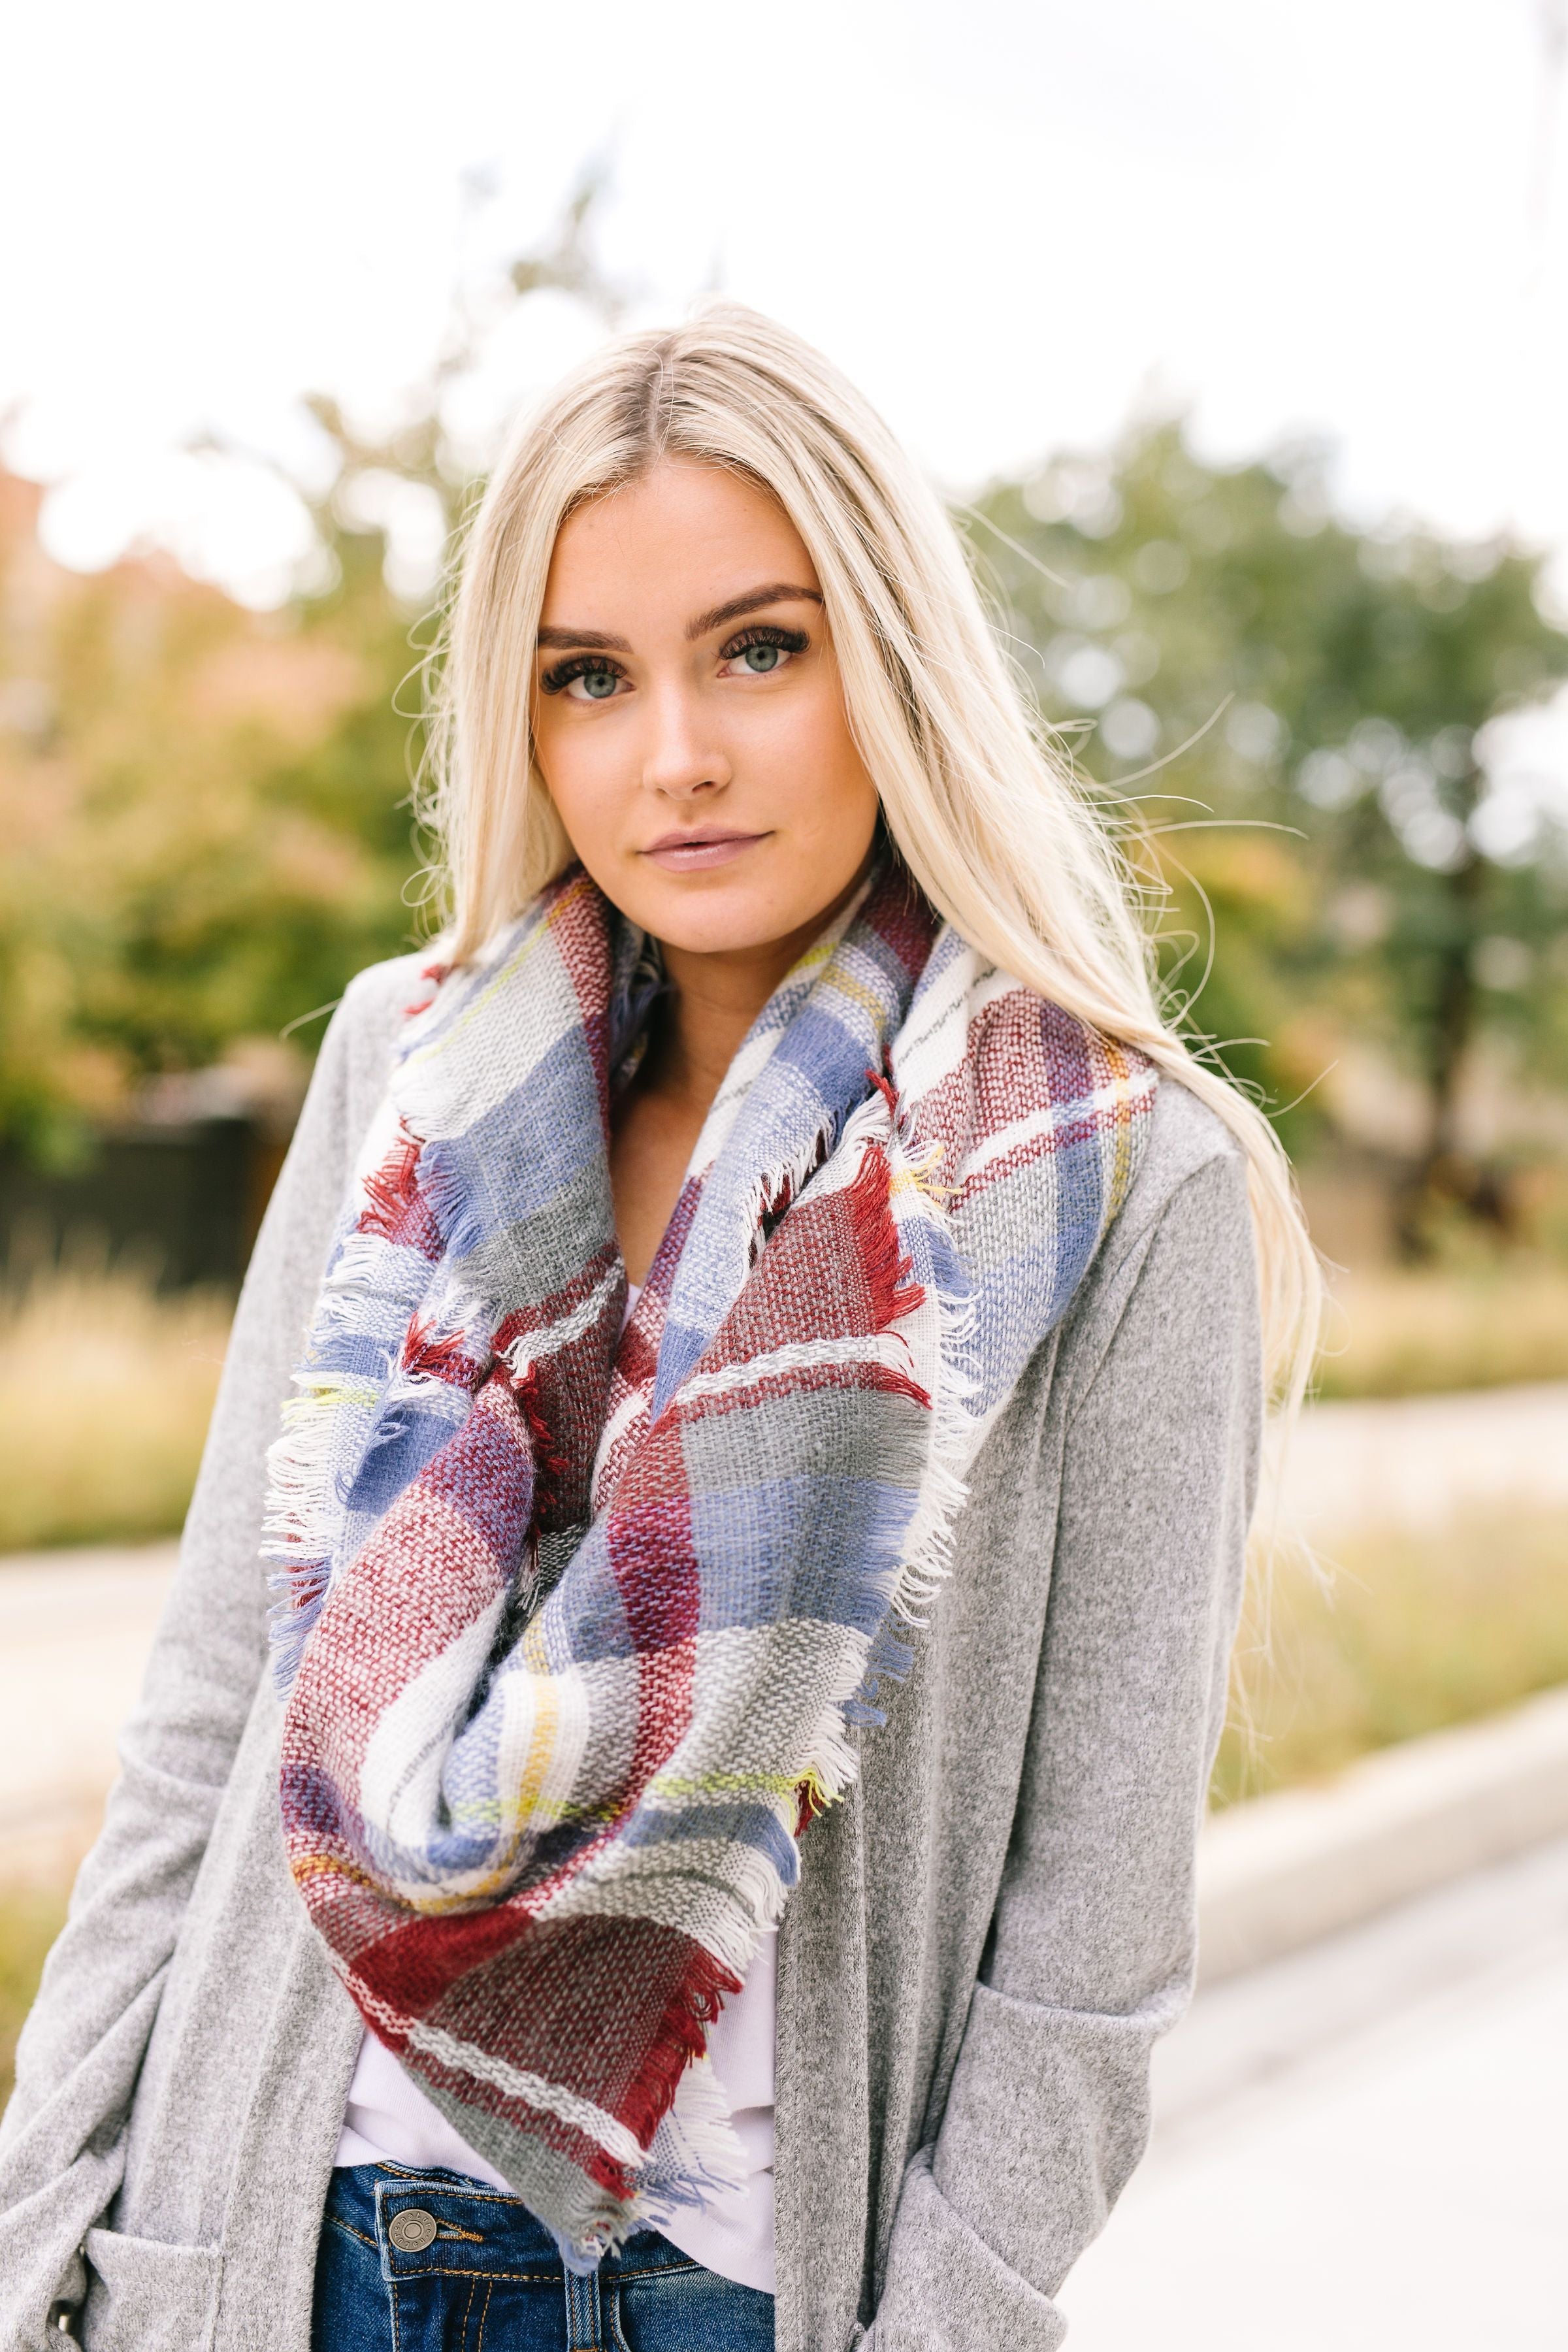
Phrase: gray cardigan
(989, 1932)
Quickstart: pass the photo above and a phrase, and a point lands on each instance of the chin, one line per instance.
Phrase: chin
(714, 928)
(716, 915)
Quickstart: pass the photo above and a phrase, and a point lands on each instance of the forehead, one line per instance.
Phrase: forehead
(679, 540)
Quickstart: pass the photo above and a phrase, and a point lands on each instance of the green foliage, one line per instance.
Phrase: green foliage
(1327, 681)
(205, 832)
(211, 826)
(209, 812)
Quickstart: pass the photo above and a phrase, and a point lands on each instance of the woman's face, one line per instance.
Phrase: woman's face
(688, 717)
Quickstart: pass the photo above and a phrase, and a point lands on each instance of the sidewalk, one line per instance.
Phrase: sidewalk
(1413, 1462)
(1357, 2143)
(75, 1630)
(1359, 2147)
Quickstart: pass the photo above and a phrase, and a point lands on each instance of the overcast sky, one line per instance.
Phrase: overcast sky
(1013, 221)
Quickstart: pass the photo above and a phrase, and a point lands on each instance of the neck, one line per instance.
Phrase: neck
(715, 999)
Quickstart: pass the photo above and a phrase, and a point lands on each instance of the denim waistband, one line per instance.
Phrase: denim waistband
(477, 2228)
(437, 2261)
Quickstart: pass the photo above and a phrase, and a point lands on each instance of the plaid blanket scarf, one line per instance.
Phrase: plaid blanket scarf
(578, 1626)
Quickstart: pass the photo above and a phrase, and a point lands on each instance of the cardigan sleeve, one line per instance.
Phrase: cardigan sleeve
(1093, 1943)
(61, 2138)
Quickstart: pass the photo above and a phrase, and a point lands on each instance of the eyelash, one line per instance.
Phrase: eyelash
(789, 641)
(766, 633)
(579, 666)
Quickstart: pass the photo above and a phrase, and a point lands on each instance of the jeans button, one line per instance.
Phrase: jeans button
(412, 2230)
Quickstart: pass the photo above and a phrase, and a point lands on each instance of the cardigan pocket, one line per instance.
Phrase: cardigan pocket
(1047, 2115)
(947, 2290)
(145, 2296)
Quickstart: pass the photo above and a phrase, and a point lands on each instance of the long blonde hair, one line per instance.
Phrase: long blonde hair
(982, 810)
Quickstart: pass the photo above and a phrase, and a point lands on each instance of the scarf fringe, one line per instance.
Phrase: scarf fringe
(404, 1340)
(773, 1189)
(448, 1191)
(711, 2161)
(291, 1619)
(680, 2035)
(304, 1511)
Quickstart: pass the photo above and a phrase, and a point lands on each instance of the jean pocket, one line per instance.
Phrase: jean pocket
(145, 2296)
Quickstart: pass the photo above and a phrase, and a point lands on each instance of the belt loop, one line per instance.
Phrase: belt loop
(584, 2325)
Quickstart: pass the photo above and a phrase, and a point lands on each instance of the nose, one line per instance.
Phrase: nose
(680, 759)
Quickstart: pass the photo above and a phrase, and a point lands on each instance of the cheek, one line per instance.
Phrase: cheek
(816, 764)
(581, 782)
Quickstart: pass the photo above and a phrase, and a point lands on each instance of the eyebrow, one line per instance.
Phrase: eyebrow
(754, 599)
(592, 640)
(780, 591)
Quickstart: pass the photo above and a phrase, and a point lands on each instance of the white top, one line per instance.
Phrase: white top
(389, 2120)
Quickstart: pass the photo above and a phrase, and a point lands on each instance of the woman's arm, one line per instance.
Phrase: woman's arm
(1093, 1945)
(61, 2136)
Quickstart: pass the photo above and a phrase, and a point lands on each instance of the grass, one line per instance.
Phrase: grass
(1416, 1331)
(105, 1392)
(29, 1922)
(1402, 1633)
(106, 1385)
(1408, 1634)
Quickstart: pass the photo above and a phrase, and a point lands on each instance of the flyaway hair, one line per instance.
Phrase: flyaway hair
(984, 814)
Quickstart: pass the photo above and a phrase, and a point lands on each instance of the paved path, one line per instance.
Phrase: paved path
(1413, 1461)
(75, 1626)
(1359, 2147)
(75, 1629)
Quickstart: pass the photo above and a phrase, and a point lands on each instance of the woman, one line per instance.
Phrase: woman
(778, 1223)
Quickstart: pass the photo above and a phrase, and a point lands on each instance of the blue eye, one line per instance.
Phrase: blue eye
(763, 651)
(586, 677)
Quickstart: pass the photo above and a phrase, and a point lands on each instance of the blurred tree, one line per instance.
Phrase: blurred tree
(1330, 681)
(171, 882)
(206, 810)
(209, 810)
(390, 521)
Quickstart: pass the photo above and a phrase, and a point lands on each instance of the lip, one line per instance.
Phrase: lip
(700, 851)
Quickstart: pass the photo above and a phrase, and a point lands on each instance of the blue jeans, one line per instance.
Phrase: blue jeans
(433, 2261)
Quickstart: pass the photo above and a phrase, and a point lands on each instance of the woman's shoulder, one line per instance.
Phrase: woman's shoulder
(1190, 1175)
(1185, 1228)
(1185, 1136)
(378, 1000)
(356, 1055)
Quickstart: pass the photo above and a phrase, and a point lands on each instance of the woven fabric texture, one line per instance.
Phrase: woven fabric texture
(579, 1628)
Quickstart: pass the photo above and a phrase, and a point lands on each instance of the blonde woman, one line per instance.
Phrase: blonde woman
(757, 1531)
